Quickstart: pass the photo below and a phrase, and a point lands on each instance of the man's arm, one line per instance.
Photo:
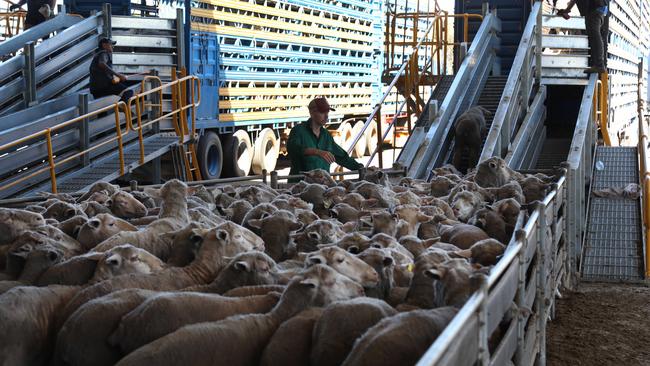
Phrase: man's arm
(296, 147)
(17, 6)
(102, 63)
(343, 159)
(565, 12)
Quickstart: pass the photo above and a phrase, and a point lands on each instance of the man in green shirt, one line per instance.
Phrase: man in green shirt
(310, 145)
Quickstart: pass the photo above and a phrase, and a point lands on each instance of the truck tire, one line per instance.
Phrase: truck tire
(238, 154)
(210, 155)
(267, 149)
(371, 138)
(345, 135)
(360, 147)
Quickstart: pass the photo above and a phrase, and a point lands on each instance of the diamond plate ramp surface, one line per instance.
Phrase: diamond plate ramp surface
(614, 242)
(107, 167)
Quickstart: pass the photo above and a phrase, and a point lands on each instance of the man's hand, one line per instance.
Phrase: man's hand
(327, 156)
(122, 77)
(14, 7)
(564, 13)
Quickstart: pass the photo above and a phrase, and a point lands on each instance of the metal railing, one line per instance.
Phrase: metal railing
(412, 75)
(431, 139)
(529, 274)
(179, 114)
(601, 107)
(579, 167)
(644, 167)
(516, 94)
(11, 23)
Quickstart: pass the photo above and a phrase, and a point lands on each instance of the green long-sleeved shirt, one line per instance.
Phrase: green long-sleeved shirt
(302, 137)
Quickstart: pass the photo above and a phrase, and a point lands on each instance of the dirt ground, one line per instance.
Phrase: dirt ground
(601, 324)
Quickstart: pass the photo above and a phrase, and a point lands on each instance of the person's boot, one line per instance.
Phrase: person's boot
(595, 70)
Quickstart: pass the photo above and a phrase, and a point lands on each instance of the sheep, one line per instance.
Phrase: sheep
(145, 199)
(173, 216)
(441, 186)
(421, 291)
(494, 172)
(415, 245)
(346, 264)
(534, 188)
(14, 221)
(315, 194)
(237, 211)
(461, 235)
(215, 245)
(107, 188)
(28, 316)
(275, 230)
(72, 225)
(319, 176)
(142, 325)
(412, 215)
(341, 324)
(61, 211)
(358, 201)
(258, 212)
(126, 259)
(291, 344)
(465, 205)
(254, 290)
(100, 228)
(305, 217)
(509, 190)
(82, 338)
(92, 209)
(125, 206)
(245, 269)
(183, 248)
(508, 209)
(354, 242)
(36, 261)
(485, 252)
(384, 222)
(318, 232)
(345, 213)
(240, 340)
(75, 271)
(401, 339)
(384, 196)
(383, 263)
(205, 217)
(256, 195)
(469, 130)
(492, 223)
(454, 282)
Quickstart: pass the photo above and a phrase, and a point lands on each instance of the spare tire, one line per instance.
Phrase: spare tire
(238, 152)
(345, 135)
(210, 155)
(371, 137)
(360, 147)
(267, 149)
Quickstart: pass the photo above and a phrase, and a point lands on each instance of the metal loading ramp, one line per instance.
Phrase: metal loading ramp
(613, 248)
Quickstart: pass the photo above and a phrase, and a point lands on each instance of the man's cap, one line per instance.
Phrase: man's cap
(106, 40)
(321, 105)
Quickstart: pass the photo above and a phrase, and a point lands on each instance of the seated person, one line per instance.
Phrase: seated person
(310, 145)
(103, 80)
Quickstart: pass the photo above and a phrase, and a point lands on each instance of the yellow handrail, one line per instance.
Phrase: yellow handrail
(601, 107)
(14, 22)
(117, 107)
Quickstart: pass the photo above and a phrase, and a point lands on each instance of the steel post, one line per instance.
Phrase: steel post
(106, 17)
(84, 137)
(29, 74)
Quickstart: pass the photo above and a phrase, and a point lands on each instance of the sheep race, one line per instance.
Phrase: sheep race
(320, 272)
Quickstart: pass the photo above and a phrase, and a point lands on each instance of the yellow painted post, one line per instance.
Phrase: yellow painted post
(380, 140)
(118, 131)
(50, 159)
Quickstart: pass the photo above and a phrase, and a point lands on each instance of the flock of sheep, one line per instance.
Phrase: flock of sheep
(322, 273)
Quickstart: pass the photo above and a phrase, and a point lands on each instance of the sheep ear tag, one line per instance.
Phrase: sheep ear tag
(327, 203)
(410, 267)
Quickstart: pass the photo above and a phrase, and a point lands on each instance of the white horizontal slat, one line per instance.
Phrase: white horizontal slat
(554, 21)
(142, 23)
(563, 81)
(565, 42)
(143, 59)
(562, 61)
(143, 41)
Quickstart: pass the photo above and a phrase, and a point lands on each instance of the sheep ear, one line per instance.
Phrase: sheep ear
(424, 218)
(349, 227)
(309, 282)
(365, 221)
(429, 242)
(228, 212)
(434, 273)
(316, 259)
(313, 235)
(295, 226)
(113, 260)
(255, 223)
(370, 202)
(387, 261)
(108, 203)
(353, 249)
(222, 235)
(197, 236)
(192, 190)
(242, 266)
(125, 226)
(467, 253)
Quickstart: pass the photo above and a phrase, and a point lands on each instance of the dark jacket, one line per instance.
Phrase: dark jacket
(586, 6)
(100, 79)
